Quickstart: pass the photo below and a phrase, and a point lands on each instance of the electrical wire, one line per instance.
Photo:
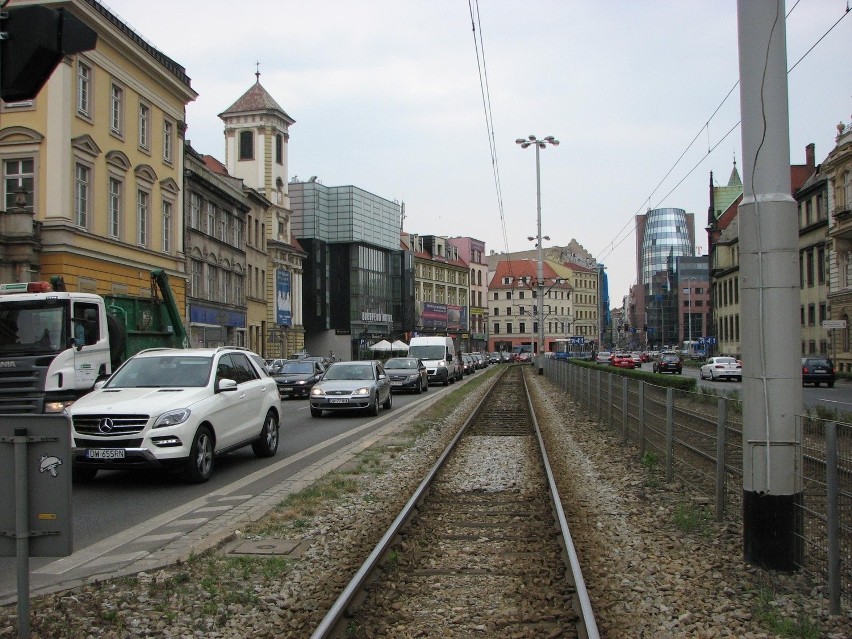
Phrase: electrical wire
(610, 247)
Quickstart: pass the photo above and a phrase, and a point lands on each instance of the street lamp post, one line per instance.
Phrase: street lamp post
(539, 144)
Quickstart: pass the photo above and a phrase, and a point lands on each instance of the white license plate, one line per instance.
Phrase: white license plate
(286, 389)
(396, 383)
(338, 401)
(105, 453)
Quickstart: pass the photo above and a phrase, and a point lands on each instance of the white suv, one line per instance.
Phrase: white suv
(176, 408)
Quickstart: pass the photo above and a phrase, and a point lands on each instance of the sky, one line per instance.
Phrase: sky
(407, 98)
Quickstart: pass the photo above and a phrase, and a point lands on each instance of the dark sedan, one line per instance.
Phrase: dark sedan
(818, 370)
(407, 374)
(668, 363)
(296, 378)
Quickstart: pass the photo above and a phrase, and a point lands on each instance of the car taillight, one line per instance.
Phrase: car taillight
(804, 369)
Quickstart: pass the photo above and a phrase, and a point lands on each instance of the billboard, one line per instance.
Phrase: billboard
(283, 310)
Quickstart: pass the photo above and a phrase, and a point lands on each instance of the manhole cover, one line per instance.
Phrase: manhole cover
(269, 547)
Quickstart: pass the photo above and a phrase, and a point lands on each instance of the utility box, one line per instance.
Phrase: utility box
(46, 442)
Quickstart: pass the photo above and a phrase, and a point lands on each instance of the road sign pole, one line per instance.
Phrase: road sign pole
(22, 532)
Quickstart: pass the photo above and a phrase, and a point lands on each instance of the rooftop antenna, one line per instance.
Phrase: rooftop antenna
(257, 70)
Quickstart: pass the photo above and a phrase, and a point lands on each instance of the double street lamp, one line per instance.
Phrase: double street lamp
(539, 144)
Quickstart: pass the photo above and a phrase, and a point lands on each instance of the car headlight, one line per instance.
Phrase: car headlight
(172, 418)
(362, 391)
(413, 376)
(316, 390)
(442, 363)
(57, 407)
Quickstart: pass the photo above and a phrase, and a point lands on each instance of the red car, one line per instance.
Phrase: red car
(622, 360)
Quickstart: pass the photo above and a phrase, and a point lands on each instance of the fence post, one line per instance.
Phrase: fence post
(721, 419)
(626, 416)
(669, 434)
(589, 390)
(598, 394)
(610, 400)
(641, 419)
(832, 523)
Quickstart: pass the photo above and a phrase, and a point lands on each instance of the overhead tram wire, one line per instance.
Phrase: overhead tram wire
(616, 242)
(486, 105)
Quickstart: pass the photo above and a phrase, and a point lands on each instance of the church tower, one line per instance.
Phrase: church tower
(257, 133)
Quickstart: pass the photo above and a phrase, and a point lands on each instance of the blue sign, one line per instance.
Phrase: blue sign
(283, 312)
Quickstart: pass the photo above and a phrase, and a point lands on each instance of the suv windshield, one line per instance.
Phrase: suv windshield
(164, 371)
(428, 352)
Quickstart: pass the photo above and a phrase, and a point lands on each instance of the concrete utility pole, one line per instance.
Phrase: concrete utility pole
(769, 282)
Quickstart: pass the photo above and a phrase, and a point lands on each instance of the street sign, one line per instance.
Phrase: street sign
(833, 324)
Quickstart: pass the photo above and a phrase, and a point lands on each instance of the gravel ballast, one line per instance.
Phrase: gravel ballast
(645, 577)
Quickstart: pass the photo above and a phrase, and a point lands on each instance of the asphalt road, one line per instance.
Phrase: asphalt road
(117, 509)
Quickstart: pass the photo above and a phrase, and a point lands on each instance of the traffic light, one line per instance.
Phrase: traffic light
(33, 40)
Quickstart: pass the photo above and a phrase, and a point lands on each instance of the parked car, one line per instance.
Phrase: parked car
(357, 385)
(721, 368)
(818, 370)
(622, 360)
(505, 357)
(407, 374)
(494, 358)
(176, 408)
(481, 361)
(296, 378)
(668, 363)
(603, 357)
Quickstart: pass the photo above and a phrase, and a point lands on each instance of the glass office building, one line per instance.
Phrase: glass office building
(667, 234)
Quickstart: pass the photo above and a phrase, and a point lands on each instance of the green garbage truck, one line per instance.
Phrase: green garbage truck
(55, 344)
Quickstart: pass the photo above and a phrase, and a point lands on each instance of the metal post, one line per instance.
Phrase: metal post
(721, 420)
(832, 523)
(540, 270)
(22, 533)
(641, 419)
(669, 434)
(626, 416)
(610, 398)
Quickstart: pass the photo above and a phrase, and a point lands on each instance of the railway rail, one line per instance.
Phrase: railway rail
(481, 546)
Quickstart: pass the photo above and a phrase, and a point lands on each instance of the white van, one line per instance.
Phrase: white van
(439, 356)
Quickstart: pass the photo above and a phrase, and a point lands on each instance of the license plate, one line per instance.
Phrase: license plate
(286, 389)
(338, 401)
(105, 453)
(396, 383)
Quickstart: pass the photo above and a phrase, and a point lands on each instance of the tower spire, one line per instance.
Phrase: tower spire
(257, 71)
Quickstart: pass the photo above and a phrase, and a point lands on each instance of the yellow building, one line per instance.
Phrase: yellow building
(93, 166)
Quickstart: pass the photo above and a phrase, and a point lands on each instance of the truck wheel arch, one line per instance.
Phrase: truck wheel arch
(117, 340)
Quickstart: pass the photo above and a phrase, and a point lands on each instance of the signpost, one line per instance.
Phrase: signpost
(35, 516)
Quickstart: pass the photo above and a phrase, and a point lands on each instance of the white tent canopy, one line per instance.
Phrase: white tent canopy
(383, 346)
(400, 346)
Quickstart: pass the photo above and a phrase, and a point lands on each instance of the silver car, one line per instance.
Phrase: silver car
(359, 385)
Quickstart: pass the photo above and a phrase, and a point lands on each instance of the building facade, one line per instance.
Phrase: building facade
(93, 167)
(513, 306)
(472, 251)
(358, 277)
(257, 134)
(215, 223)
(837, 168)
(441, 289)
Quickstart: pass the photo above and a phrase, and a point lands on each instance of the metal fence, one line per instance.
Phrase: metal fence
(698, 440)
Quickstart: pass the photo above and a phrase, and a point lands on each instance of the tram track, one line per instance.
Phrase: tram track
(481, 546)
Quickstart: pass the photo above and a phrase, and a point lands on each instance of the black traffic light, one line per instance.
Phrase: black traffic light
(34, 39)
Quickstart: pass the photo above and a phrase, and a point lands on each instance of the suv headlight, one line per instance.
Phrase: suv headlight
(172, 418)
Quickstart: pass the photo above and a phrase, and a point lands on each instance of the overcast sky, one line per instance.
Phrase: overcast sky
(386, 95)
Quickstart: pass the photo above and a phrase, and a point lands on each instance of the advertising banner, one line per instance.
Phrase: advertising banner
(432, 315)
(283, 312)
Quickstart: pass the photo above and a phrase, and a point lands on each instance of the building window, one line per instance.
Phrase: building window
(509, 328)
(167, 226)
(18, 175)
(237, 227)
(195, 211)
(811, 315)
(142, 199)
(168, 139)
(809, 256)
(821, 265)
(196, 268)
(82, 183)
(116, 110)
(144, 125)
(84, 89)
(226, 287)
(114, 207)
(211, 282)
(238, 289)
(279, 149)
(246, 145)
(496, 328)
(211, 218)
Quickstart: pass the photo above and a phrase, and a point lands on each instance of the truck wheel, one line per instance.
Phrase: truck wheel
(117, 340)
(267, 444)
(83, 474)
(199, 466)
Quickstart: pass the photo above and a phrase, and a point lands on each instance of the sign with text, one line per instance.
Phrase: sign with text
(831, 324)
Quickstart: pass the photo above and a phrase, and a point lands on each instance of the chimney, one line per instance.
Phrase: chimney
(810, 151)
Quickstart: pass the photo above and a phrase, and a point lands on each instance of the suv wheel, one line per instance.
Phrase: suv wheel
(199, 466)
(267, 444)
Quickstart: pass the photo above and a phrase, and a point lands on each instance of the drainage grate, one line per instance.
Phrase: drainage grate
(270, 547)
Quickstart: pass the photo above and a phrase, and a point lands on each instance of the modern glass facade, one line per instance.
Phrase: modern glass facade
(666, 236)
